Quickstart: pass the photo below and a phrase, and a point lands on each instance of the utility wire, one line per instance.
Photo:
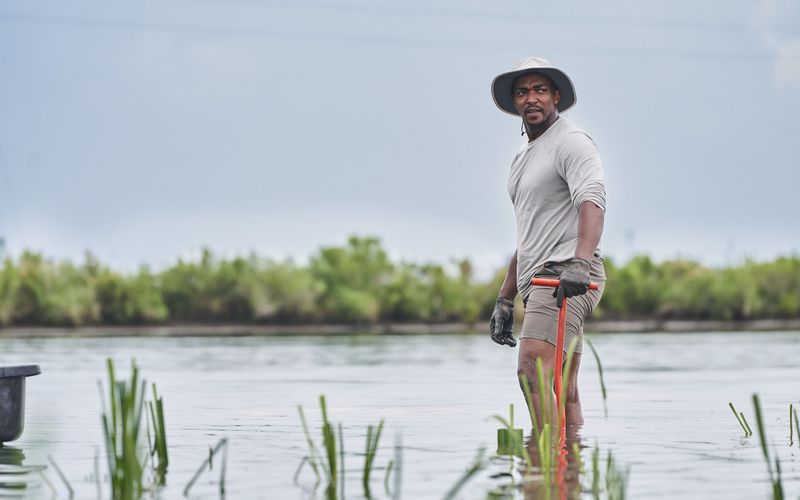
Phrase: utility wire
(367, 40)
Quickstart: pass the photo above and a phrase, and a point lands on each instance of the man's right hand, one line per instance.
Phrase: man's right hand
(501, 326)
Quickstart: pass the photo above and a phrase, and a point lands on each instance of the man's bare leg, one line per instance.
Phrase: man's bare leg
(529, 351)
(572, 405)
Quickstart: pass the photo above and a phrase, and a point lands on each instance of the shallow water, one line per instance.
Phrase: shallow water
(668, 416)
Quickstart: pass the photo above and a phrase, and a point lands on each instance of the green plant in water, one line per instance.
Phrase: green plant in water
(158, 446)
(477, 465)
(740, 418)
(613, 481)
(371, 449)
(121, 425)
(600, 373)
(329, 462)
(208, 463)
(774, 476)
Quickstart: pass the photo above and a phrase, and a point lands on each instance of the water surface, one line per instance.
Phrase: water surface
(668, 418)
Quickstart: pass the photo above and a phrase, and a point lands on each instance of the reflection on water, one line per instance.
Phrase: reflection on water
(17, 480)
(668, 415)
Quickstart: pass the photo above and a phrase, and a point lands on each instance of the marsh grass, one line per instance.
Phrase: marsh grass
(613, 480)
(796, 425)
(62, 476)
(158, 445)
(328, 459)
(740, 418)
(208, 463)
(600, 373)
(371, 449)
(774, 474)
(122, 420)
(478, 464)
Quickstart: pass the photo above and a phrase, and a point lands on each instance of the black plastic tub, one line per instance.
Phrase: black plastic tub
(12, 400)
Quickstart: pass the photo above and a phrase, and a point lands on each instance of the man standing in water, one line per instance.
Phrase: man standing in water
(557, 189)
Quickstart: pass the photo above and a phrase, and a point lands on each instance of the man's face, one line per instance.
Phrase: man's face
(535, 98)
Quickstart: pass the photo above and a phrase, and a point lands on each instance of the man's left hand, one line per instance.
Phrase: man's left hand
(574, 279)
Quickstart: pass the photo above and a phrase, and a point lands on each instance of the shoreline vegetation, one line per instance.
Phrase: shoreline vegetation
(356, 288)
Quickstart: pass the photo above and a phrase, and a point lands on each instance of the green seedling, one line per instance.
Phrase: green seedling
(158, 448)
(600, 372)
(477, 465)
(774, 476)
(208, 463)
(373, 437)
(740, 418)
(121, 425)
(509, 439)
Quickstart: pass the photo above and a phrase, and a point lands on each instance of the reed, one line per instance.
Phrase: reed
(740, 418)
(208, 463)
(797, 425)
(371, 449)
(616, 479)
(600, 373)
(61, 475)
(774, 475)
(478, 464)
(121, 429)
(791, 433)
(511, 440)
(158, 449)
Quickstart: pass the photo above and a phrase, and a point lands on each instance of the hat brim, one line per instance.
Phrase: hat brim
(503, 93)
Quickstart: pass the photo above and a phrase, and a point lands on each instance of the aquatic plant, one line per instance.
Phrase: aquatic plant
(208, 463)
(62, 476)
(796, 425)
(774, 476)
(121, 430)
(742, 421)
(478, 464)
(613, 480)
(600, 373)
(371, 449)
(329, 459)
(129, 473)
(158, 445)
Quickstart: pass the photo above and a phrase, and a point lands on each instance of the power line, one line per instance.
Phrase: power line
(367, 40)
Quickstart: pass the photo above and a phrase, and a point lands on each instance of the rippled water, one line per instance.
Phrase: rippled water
(668, 418)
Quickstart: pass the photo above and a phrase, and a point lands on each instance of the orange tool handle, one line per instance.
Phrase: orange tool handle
(555, 283)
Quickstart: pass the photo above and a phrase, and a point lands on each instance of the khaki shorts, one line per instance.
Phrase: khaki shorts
(541, 314)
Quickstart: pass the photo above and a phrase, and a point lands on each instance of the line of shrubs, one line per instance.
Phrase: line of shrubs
(358, 283)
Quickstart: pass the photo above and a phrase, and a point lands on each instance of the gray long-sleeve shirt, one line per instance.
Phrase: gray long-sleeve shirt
(549, 179)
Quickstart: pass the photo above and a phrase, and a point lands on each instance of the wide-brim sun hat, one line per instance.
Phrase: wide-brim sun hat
(502, 91)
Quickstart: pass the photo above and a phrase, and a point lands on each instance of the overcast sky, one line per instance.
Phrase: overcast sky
(144, 131)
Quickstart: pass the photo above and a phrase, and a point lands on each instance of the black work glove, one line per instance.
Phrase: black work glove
(574, 279)
(501, 326)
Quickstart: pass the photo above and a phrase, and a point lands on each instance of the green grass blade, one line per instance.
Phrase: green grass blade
(762, 435)
(791, 427)
(386, 476)
(341, 458)
(749, 430)
(797, 426)
(600, 373)
(477, 465)
(730, 404)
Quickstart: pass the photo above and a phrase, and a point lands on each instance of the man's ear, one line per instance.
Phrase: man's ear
(556, 96)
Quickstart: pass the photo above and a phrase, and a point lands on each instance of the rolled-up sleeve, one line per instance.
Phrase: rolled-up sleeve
(580, 166)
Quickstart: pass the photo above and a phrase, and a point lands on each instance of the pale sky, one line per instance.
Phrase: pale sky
(144, 131)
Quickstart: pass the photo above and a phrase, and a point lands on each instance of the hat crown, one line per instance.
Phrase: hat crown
(532, 63)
